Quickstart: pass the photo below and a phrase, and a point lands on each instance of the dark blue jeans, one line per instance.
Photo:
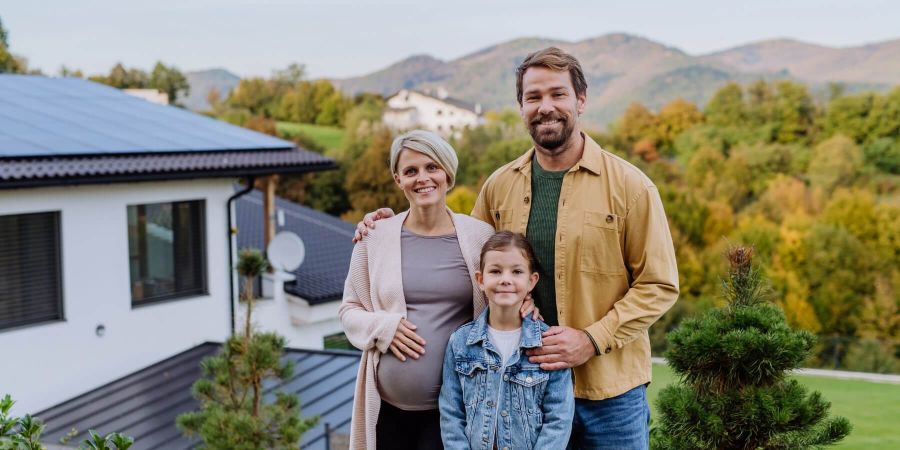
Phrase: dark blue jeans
(618, 423)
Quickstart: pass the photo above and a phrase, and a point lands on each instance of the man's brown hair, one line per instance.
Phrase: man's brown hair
(503, 240)
(554, 59)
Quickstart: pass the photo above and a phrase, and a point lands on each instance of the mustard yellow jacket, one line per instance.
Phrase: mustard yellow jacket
(615, 262)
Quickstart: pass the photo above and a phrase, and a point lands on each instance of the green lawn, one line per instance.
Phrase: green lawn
(872, 408)
(329, 137)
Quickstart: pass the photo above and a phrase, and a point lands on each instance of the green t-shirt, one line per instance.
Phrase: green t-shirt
(545, 189)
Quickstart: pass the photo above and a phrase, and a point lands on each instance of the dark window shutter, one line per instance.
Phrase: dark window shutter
(30, 269)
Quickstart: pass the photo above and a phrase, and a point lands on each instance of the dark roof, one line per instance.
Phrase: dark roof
(71, 131)
(32, 172)
(43, 116)
(326, 238)
(144, 404)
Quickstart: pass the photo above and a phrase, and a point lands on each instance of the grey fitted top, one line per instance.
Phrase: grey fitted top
(438, 292)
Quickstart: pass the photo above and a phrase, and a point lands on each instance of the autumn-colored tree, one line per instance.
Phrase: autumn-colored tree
(835, 162)
(461, 199)
(263, 125)
(256, 95)
(675, 118)
(370, 183)
(638, 123)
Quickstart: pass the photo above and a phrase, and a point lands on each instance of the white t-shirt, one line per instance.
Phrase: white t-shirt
(506, 342)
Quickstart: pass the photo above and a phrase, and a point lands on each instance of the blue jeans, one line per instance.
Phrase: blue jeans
(618, 423)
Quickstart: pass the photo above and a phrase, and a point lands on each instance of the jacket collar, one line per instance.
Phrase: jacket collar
(591, 158)
(531, 331)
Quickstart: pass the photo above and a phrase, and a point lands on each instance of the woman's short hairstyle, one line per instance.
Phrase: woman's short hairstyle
(503, 240)
(554, 59)
(430, 145)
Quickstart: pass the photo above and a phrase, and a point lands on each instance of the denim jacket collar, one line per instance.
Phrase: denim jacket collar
(531, 332)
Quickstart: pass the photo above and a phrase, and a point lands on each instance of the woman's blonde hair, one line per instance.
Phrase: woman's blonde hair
(430, 145)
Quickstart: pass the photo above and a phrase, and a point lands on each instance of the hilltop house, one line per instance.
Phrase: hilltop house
(436, 111)
(117, 223)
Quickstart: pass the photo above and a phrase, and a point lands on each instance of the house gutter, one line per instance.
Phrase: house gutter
(232, 232)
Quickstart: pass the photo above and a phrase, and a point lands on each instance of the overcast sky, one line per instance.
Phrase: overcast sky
(340, 38)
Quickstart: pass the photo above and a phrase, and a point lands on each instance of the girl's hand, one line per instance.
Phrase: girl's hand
(407, 342)
(529, 308)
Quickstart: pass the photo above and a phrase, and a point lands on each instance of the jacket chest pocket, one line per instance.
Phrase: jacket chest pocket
(601, 251)
(472, 377)
(527, 390)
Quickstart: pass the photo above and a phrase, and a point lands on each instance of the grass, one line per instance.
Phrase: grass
(872, 408)
(328, 137)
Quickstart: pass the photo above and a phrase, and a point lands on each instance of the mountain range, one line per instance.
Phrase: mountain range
(620, 68)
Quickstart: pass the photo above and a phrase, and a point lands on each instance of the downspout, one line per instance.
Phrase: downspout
(232, 232)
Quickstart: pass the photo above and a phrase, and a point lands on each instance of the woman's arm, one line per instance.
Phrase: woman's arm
(452, 406)
(558, 409)
(364, 327)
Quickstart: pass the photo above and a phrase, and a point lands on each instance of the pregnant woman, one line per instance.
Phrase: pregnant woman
(411, 284)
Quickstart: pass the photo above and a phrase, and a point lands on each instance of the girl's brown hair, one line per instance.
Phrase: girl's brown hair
(502, 240)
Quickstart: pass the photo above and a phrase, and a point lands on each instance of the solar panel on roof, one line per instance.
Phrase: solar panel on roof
(42, 116)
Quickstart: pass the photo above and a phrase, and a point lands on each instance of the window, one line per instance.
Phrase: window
(166, 250)
(440, 112)
(338, 341)
(30, 269)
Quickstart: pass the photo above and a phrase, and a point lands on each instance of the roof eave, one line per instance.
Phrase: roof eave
(165, 175)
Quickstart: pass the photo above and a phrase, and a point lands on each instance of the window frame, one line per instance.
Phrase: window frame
(60, 289)
(203, 289)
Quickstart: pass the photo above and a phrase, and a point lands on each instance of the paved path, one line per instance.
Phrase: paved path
(840, 374)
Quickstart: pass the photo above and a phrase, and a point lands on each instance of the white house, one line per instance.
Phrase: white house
(436, 111)
(305, 312)
(116, 219)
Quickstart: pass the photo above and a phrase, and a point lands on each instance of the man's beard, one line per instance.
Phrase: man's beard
(551, 140)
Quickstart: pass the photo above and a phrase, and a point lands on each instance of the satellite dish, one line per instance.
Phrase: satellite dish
(286, 251)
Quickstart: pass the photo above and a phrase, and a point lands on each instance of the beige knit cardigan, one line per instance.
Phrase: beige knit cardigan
(373, 305)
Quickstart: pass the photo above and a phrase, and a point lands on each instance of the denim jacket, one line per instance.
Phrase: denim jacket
(521, 406)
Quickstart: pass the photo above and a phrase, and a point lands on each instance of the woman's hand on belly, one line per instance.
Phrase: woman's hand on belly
(406, 342)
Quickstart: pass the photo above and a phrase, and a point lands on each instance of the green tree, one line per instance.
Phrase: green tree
(169, 80)
(232, 411)
(793, 112)
(835, 162)
(849, 116)
(734, 391)
(727, 108)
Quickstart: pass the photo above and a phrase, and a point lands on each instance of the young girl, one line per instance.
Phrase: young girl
(491, 396)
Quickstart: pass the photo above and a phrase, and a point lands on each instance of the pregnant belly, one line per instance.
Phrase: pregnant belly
(414, 384)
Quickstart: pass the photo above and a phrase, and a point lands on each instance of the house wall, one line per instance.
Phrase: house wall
(432, 113)
(302, 325)
(52, 362)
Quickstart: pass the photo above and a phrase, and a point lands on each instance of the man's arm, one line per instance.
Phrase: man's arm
(482, 210)
(650, 257)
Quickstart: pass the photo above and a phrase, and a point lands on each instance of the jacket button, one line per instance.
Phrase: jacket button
(505, 377)
(528, 379)
(609, 218)
(608, 349)
(504, 413)
(505, 448)
(526, 200)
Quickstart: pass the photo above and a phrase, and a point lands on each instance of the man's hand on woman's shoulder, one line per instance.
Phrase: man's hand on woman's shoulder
(368, 222)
